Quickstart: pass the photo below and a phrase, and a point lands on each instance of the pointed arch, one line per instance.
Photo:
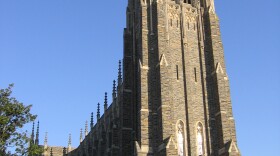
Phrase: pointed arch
(200, 139)
(181, 138)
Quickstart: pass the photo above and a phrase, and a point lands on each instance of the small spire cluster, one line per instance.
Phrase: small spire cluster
(98, 113)
(35, 140)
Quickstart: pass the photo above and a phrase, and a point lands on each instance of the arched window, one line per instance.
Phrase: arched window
(200, 139)
(181, 142)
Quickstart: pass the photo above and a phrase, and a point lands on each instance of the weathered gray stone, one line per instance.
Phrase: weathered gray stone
(174, 84)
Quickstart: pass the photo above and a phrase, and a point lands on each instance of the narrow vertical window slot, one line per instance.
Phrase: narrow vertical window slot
(177, 71)
(195, 77)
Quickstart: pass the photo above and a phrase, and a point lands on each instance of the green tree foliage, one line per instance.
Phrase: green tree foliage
(13, 116)
(34, 150)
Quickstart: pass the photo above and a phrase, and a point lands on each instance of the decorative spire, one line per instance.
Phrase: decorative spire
(91, 120)
(69, 143)
(81, 135)
(120, 73)
(51, 152)
(64, 151)
(46, 140)
(114, 94)
(105, 102)
(86, 129)
(98, 111)
(37, 134)
(32, 135)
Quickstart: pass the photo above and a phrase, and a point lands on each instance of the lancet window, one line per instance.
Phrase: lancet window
(181, 142)
(200, 140)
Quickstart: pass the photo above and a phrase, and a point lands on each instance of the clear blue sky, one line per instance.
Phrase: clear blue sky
(62, 56)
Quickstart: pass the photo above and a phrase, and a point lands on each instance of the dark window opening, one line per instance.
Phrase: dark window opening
(195, 77)
(171, 22)
(177, 72)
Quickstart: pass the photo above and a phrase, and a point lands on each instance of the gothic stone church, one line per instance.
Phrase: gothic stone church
(173, 96)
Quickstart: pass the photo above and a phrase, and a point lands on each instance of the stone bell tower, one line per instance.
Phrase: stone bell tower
(175, 83)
